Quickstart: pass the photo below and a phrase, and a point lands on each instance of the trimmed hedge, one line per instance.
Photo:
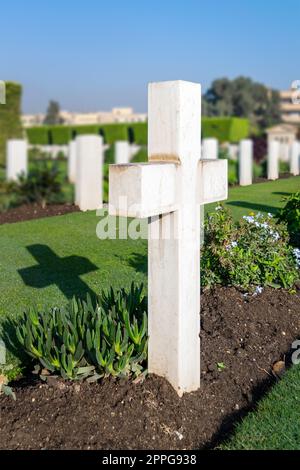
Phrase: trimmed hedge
(114, 132)
(86, 129)
(225, 129)
(139, 132)
(10, 122)
(38, 135)
(60, 135)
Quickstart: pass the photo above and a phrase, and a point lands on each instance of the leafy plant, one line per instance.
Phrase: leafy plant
(290, 214)
(41, 185)
(221, 366)
(254, 252)
(84, 340)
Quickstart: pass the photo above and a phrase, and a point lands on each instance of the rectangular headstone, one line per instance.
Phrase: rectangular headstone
(89, 172)
(245, 162)
(16, 159)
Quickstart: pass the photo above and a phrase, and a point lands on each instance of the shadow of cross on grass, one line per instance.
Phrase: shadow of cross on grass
(63, 272)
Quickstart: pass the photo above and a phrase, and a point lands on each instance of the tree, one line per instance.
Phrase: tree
(53, 114)
(242, 97)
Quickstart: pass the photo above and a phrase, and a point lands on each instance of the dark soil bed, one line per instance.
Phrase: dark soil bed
(247, 334)
(35, 211)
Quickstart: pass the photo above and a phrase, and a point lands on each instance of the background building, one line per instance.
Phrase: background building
(290, 112)
(116, 115)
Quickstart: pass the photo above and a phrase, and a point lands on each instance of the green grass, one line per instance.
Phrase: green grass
(263, 197)
(275, 425)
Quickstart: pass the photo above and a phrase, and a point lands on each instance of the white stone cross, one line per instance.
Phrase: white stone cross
(122, 152)
(169, 190)
(245, 162)
(16, 159)
(273, 160)
(89, 172)
(295, 158)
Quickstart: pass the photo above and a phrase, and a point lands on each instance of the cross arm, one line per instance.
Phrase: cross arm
(212, 181)
(142, 189)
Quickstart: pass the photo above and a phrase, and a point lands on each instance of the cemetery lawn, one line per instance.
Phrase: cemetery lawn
(264, 197)
(275, 423)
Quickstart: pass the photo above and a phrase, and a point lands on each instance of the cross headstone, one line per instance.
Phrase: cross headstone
(295, 158)
(209, 149)
(16, 159)
(273, 160)
(245, 162)
(122, 152)
(89, 171)
(72, 161)
(168, 190)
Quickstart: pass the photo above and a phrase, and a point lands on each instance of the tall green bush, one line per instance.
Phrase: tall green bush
(139, 132)
(38, 135)
(85, 129)
(225, 129)
(60, 135)
(114, 132)
(10, 122)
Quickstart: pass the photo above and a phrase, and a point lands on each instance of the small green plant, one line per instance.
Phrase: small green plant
(42, 184)
(290, 214)
(86, 340)
(249, 255)
(221, 366)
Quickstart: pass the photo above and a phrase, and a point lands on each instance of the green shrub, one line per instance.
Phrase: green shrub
(60, 135)
(87, 129)
(252, 253)
(258, 170)
(109, 155)
(10, 122)
(82, 339)
(284, 167)
(105, 181)
(41, 185)
(114, 132)
(35, 153)
(38, 135)
(139, 132)
(233, 172)
(225, 129)
(290, 215)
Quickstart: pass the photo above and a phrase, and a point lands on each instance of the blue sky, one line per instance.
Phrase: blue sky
(94, 54)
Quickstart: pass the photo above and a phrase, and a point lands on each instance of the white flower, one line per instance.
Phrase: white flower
(270, 215)
(218, 208)
(296, 252)
(258, 290)
(249, 218)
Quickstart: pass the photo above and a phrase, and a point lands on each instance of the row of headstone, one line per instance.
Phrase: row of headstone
(274, 158)
(244, 153)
